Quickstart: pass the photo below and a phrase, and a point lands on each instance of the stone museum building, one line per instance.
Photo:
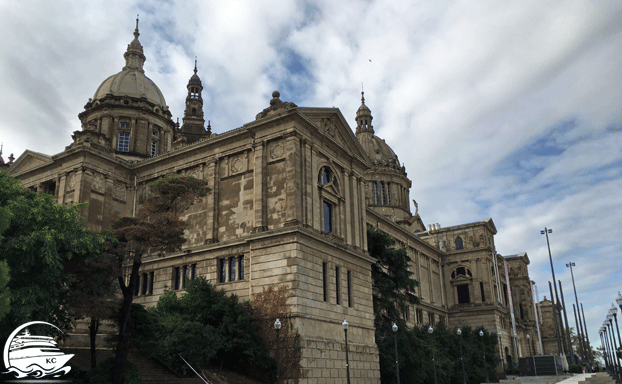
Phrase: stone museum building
(293, 192)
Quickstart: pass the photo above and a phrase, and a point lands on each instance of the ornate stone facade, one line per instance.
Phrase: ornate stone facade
(293, 193)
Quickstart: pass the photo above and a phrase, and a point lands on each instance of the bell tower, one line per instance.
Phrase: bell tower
(193, 127)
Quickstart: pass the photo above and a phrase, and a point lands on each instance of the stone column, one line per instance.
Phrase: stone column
(293, 207)
(107, 211)
(259, 187)
(62, 180)
(309, 184)
(347, 225)
(363, 220)
(355, 215)
(211, 202)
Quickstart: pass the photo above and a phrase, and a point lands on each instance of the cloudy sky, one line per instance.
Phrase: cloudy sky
(509, 110)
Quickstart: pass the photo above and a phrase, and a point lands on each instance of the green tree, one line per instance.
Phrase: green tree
(158, 228)
(37, 243)
(207, 325)
(392, 282)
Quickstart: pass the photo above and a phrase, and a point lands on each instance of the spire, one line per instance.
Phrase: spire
(193, 127)
(195, 65)
(363, 117)
(136, 34)
(134, 57)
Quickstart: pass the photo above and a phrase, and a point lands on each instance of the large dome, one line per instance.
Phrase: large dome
(132, 83)
(378, 150)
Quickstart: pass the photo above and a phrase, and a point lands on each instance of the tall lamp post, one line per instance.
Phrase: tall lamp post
(614, 312)
(481, 336)
(430, 331)
(345, 331)
(619, 300)
(459, 333)
(580, 325)
(614, 346)
(277, 327)
(546, 232)
(502, 354)
(397, 364)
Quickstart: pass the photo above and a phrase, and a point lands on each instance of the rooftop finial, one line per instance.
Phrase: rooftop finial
(136, 34)
(362, 94)
(195, 65)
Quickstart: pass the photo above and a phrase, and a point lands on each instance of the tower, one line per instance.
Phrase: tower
(193, 127)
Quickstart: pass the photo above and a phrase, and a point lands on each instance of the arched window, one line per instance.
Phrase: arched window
(458, 242)
(326, 176)
(388, 193)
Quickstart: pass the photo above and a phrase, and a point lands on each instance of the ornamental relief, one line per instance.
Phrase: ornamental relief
(98, 183)
(238, 164)
(118, 191)
(276, 150)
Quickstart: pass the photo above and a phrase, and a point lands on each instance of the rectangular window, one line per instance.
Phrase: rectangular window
(374, 187)
(388, 193)
(419, 316)
(193, 271)
(124, 142)
(463, 294)
(241, 267)
(137, 286)
(337, 291)
(124, 124)
(232, 268)
(154, 148)
(328, 217)
(177, 277)
(151, 277)
(186, 276)
(481, 288)
(431, 319)
(406, 313)
(222, 270)
(381, 193)
(324, 283)
(145, 284)
(349, 282)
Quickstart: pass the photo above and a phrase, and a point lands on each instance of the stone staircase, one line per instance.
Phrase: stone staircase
(587, 378)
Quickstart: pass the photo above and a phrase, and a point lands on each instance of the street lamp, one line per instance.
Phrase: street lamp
(397, 364)
(430, 331)
(614, 358)
(345, 331)
(614, 312)
(619, 300)
(546, 232)
(481, 335)
(499, 334)
(277, 327)
(459, 332)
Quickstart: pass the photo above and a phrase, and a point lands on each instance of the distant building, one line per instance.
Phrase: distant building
(293, 193)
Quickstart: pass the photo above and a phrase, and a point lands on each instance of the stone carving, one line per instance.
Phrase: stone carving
(328, 126)
(118, 191)
(237, 164)
(71, 180)
(276, 150)
(98, 183)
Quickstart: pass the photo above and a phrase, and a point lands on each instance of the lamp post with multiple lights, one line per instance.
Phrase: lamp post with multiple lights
(579, 324)
(546, 232)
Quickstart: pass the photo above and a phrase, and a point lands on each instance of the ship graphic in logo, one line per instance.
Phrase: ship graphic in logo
(33, 356)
